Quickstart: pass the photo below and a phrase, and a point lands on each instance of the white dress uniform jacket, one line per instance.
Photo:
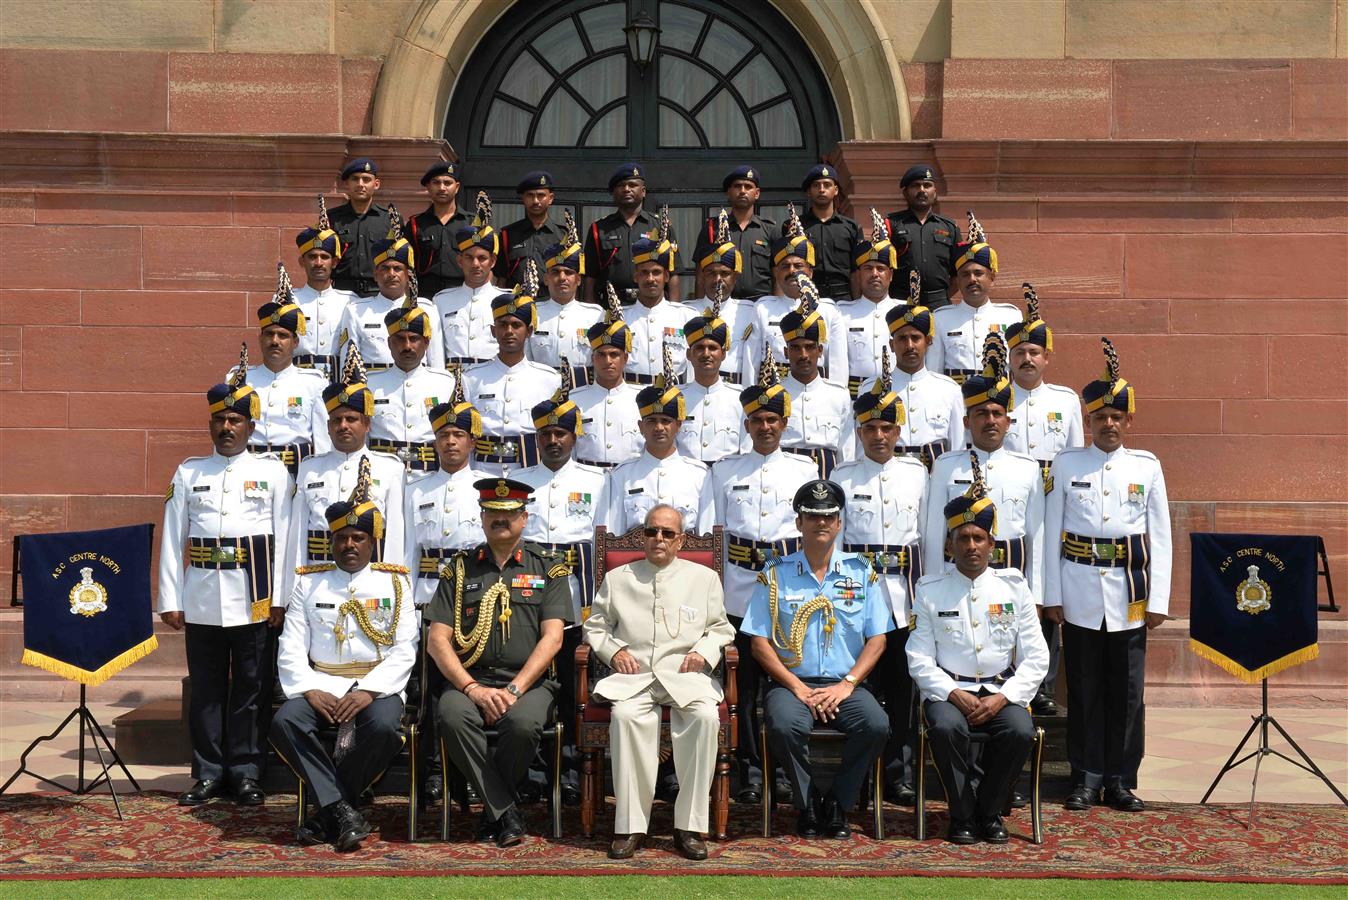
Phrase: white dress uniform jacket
(322, 319)
(933, 407)
(608, 420)
(885, 505)
(323, 480)
(464, 314)
(564, 508)
(1044, 421)
(441, 511)
(821, 412)
(960, 331)
(219, 497)
(292, 407)
(363, 323)
(403, 401)
(504, 395)
(768, 314)
(561, 333)
(867, 335)
(683, 483)
(317, 630)
(654, 327)
(977, 629)
(741, 327)
(714, 426)
(1106, 495)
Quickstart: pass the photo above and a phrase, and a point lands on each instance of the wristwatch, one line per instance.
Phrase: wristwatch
(850, 679)
(512, 690)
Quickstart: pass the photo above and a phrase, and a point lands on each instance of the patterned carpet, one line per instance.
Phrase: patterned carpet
(53, 836)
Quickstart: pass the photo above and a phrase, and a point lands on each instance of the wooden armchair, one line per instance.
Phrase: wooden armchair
(592, 716)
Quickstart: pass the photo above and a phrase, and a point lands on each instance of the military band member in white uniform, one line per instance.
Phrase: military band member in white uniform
(364, 320)
(226, 514)
(886, 497)
(714, 426)
(293, 423)
(792, 257)
(659, 623)
(873, 265)
(1109, 581)
(404, 394)
(322, 304)
(962, 327)
(660, 474)
(465, 312)
(817, 621)
(609, 432)
(655, 322)
(753, 493)
(326, 479)
(977, 655)
(348, 647)
(818, 425)
(564, 322)
(718, 271)
(1046, 419)
(1013, 480)
(505, 388)
(934, 406)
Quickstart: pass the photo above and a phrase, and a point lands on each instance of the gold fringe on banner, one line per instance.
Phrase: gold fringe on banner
(1296, 658)
(83, 676)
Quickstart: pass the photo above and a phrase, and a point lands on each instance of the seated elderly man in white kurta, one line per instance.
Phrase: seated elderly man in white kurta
(660, 623)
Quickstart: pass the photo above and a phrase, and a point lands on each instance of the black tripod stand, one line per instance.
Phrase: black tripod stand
(1261, 722)
(95, 731)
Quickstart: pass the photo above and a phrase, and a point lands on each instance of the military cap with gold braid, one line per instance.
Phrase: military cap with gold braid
(723, 249)
(520, 301)
(321, 236)
(663, 398)
(991, 385)
(880, 403)
(359, 510)
(1033, 330)
(409, 316)
(768, 394)
(656, 248)
(612, 331)
(236, 393)
(502, 493)
(1111, 391)
(975, 249)
(350, 389)
(879, 248)
(793, 241)
(458, 412)
(569, 254)
(805, 322)
(479, 233)
(559, 410)
(282, 309)
(709, 325)
(394, 247)
(914, 314)
(974, 505)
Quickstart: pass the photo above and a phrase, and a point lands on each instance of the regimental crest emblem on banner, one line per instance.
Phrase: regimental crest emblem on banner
(1253, 595)
(88, 598)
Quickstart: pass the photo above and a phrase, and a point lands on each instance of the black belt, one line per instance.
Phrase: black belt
(508, 450)
(892, 559)
(419, 456)
(638, 378)
(579, 558)
(313, 360)
(753, 555)
(252, 553)
(999, 678)
(825, 458)
(926, 453)
(732, 377)
(961, 375)
(581, 375)
(290, 454)
(1131, 553)
(463, 360)
(1007, 554)
(597, 463)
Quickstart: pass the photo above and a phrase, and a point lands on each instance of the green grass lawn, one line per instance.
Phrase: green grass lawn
(669, 887)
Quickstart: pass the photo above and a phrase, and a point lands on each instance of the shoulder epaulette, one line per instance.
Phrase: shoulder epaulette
(762, 578)
(1009, 574)
(1145, 454)
(941, 376)
(929, 579)
(311, 372)
(1018, 455)
(315, 568)
(380, 454)
(389, 567)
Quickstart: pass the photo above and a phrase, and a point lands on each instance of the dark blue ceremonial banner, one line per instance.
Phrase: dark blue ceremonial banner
(1253, 603)
(86, 601)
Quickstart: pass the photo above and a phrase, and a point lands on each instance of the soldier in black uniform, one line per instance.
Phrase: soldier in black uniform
(608, 242)
(750, 233)
(495, 625)
(930, 240)
(359, 223)
(531, 236)
(831, 233)
(433, 230)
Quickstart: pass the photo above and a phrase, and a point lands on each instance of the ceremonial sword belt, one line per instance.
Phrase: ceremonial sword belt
(1131, 553)
(431, 561)
(313, 361)
(290, 454)
(509, 450)
(824, 458)
(1006, 554)
(961, 375)
(251, 553)
(999, 678)
(732, 377)
(416, 455)
(753, 555)
(639, 378)
(346, 669)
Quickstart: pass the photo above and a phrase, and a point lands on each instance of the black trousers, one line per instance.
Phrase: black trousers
(227, 667)
(1049, 685)
(971, 793)
(896, 685)
(1106, 672)
(790, 723)
(748, 680)
(295, 732)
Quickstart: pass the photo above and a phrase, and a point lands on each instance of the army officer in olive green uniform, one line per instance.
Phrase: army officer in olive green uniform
(495, 624)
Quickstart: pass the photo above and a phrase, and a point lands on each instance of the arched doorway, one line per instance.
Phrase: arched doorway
(553, 86)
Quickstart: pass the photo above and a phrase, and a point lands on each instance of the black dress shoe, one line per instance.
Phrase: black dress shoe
(346, 826)
(1018, 800)
(510, 828)
(314, 830)
(625, 846)
(690, 845)
(751, 794)
(1044, 705)
(993, 831)
(1124, 800)
(807, 825)
(432, 790)
(249, 793)
(486, 830)
(900, 792)
(835, 821)
(961, 833)
(204, 791)
(782, 792)
(570, 794)
(1081, 797)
